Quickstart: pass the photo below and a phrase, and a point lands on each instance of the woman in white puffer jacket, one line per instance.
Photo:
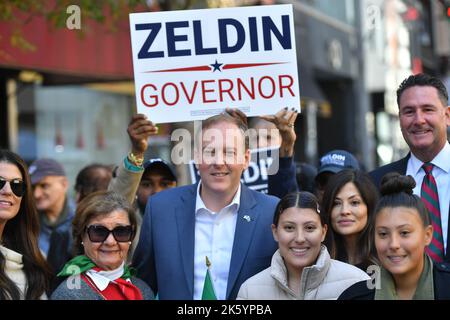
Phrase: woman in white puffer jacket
(301, 268)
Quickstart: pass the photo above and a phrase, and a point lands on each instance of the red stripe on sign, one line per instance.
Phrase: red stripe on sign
(248, 65)
(199, 68)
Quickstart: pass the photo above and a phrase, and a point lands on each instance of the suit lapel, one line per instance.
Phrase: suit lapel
(403, 164)
(245, 226)
(185, 217)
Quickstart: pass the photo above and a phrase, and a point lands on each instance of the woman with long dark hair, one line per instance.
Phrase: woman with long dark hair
(24, 273)
(348, 202)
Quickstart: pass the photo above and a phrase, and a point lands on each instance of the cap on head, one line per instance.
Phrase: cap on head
(160, 166)
(337, 160)
(44, 167)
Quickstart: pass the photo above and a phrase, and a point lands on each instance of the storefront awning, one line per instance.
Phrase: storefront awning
(65, 56)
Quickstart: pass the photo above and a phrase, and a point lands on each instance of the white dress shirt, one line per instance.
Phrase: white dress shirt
(214, 237)
(441, 173)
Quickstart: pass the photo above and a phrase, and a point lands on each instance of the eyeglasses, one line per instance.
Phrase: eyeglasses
(98, 233)
(17, 186)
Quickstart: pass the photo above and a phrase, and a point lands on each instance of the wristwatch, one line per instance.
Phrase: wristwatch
(135, 160)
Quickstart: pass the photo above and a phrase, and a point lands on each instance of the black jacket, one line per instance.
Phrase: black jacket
(441, 282)
(397, 166)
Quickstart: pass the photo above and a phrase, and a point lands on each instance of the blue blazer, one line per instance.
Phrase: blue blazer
(400, 166)
(164, 257)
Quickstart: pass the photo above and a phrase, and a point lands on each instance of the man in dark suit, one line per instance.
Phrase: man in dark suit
(424, 116)
(218, 218)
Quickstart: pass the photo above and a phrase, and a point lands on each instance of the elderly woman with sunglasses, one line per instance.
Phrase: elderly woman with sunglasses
(24, 273)
(103, 228)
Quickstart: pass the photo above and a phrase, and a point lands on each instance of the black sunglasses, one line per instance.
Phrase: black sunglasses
(17, 186)
(98, 233)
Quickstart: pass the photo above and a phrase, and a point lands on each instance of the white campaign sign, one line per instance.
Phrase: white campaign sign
(191, 64)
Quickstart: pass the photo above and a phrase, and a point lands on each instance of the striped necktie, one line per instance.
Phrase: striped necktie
(429, 195)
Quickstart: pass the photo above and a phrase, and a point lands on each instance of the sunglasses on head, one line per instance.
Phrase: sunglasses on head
(17, 186)
(98, 233)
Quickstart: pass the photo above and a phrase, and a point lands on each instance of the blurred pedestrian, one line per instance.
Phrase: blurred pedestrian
(331, 163)
(56, 210)
(91, 178)
(157, 176)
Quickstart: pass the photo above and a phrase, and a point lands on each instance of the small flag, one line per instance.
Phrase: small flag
(208, 288)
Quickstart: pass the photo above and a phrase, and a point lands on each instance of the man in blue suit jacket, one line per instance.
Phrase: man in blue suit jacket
(424, 118)
(219, 218)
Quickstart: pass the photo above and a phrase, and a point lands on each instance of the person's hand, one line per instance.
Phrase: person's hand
(139, 130)
(236, 113)
(284, 120)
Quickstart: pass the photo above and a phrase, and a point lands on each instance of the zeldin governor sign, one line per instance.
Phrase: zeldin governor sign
(191, 64)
